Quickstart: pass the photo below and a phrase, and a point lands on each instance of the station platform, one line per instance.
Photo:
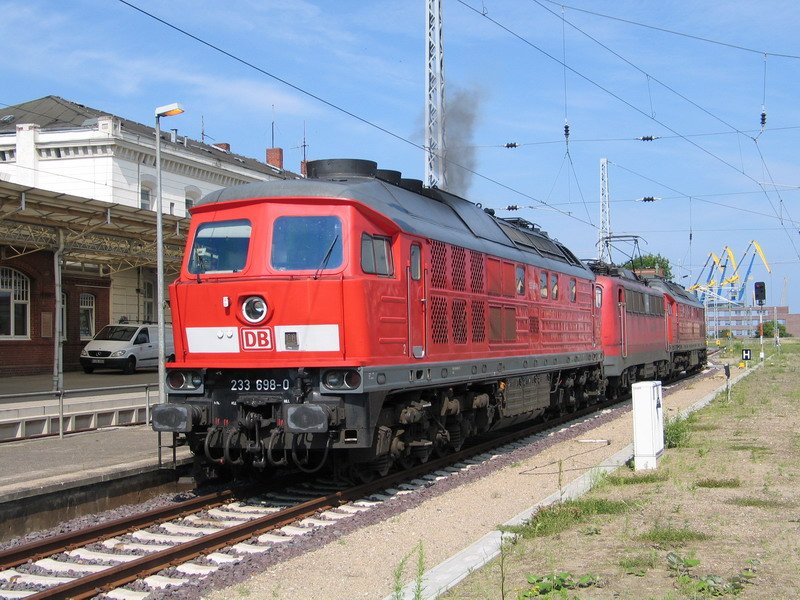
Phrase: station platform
(43, 466)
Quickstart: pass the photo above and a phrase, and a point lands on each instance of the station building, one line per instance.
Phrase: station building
(78, 227)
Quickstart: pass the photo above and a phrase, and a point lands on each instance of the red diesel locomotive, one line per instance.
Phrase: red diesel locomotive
(359, 316)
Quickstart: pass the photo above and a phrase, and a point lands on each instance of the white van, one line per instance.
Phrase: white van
(126, 346)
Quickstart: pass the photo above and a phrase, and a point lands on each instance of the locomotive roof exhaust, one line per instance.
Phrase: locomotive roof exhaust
(336, 168)
(344, 168)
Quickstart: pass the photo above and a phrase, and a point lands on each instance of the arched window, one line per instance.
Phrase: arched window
(14, 304)
(191, 195)
(87, 316)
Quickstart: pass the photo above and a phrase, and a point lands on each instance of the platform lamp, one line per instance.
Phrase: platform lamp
(162, 111)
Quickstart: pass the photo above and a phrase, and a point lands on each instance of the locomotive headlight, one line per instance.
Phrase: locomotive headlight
(334, 379)
(352, 379)
(254, 309)
(184, 380)
(176, 380)
(337, 380)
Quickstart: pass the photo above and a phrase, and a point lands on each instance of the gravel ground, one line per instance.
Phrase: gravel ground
(445, 518)
(356, 557)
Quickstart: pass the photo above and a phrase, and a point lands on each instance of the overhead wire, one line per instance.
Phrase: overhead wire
(678, 33)
(613, 94)
(642, 71)
(330, 104)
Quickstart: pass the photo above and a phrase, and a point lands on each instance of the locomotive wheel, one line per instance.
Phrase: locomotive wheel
(422, 451)
(456, 436)
(362, 473)
(406, 461)
(441, 444)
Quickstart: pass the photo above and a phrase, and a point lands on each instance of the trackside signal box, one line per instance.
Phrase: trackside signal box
(648, 424)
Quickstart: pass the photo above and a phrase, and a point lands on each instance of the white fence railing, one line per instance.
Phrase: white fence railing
(68, 411)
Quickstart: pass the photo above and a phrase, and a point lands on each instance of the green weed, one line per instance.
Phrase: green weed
(650, 477)
(547, 586)
(719, 483)
(672, 536)
(677, 432)
(759, 503)
(639, 563)
(560, 517)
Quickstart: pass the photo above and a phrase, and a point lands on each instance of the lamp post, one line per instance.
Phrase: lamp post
(162, 111)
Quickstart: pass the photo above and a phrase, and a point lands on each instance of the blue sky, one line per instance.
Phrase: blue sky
(712, 170)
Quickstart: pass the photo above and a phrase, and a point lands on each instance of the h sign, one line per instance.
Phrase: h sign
(257, 339)
(747, 354)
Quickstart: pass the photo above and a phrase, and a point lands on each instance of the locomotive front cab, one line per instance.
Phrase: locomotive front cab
(265, 369)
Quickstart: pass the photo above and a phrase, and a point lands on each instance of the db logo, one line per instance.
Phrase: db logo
(257, 339)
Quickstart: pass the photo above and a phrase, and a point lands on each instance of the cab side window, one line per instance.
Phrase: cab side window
(543, 284)
(416, 262)
(143, 337)
(376, 255)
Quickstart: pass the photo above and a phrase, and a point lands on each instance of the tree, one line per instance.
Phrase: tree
(769, 330)
(650, 261)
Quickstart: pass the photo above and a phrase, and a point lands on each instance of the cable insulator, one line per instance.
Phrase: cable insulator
(763, 119)
(566, 131)
(648, 199)
(512, 145)
(647, 138)
(512, 207)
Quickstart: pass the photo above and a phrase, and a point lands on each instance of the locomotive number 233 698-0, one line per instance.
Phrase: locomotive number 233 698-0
(260, 385)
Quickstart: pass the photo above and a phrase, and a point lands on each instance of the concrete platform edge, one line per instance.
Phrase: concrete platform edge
(449, 573)
(102, 476)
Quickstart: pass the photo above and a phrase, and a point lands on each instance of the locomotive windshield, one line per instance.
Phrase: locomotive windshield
(220, 247)
(306, 243)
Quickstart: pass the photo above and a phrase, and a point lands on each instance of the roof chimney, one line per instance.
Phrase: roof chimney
(304, 168)
(275, 157)
(224, 146)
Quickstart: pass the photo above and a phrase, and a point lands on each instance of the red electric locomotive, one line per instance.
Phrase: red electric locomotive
(357, 314)
(686, 326)
(652, 328)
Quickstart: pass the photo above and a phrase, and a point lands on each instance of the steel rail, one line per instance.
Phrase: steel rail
(119, 575)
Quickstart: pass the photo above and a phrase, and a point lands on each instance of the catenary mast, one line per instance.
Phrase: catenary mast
(434, 99)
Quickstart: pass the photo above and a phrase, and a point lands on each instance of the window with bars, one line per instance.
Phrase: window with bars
(87, 316)
(14, 304)
(146, 198)
(148, 303)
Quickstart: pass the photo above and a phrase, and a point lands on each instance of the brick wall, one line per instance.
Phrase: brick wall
(35, 355)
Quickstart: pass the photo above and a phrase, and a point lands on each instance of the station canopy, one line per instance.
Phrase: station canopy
(113, 236)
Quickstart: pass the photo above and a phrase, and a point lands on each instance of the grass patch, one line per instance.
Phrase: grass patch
(704, 427)
(677, 432)
(638, 564)
(719, 483)
(672, 536)
(749, 448)
(560, 517)
(759, 503)
(651, 477)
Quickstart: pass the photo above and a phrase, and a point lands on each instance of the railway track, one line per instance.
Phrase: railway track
(196, 537)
